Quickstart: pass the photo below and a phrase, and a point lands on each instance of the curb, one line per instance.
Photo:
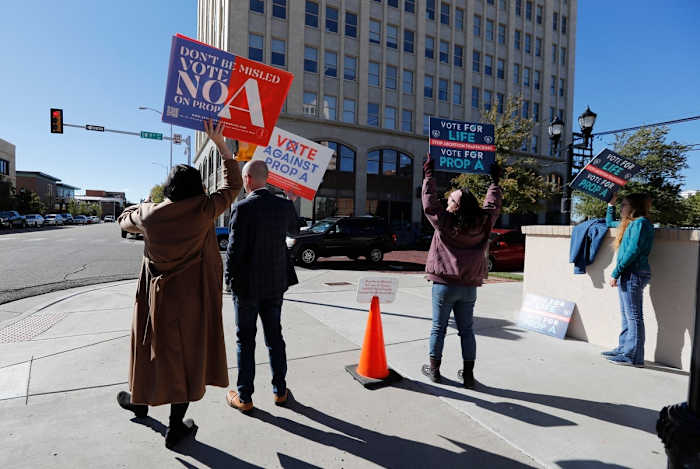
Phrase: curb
(8, 296)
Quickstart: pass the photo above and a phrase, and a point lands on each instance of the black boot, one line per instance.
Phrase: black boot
(467, 374)
(177, 432)
(432, 371)
(124, 400)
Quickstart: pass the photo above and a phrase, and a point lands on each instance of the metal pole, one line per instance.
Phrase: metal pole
(694, 386)
(188, 141)
(171, 147)
(567, 183)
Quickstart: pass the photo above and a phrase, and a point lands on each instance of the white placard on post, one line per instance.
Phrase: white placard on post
(383, 287)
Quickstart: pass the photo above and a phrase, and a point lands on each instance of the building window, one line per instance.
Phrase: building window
(459, 19)
(279, 9)
(518, 7)
(516, 39)
(526, 109)
(373, 162)
(501, 33)
(561, 114)
(457, 93)
(331, 64)
(257, 6)
(476, 61)
(350, 68)
(516, 74)
(389, 162)
(459, 55)
(553, 86)
(501, 70)
(554, 54)
(392, 37)
(406, 121)
(445, 13)
(279, 52)
(528, 11)
(551, 114)
(477, 26)
(374, 78)
(490, 2)
(409, 6)
(331, 19)
(535, 144)
(393, 3)
(428, 86)
(389, 117)
(311, 59)
(429, 47)
(309, 103)
(555, 21)
(408, 40)
(442, 90)
(475, 97)
(539, 14)
(537, 79)
(330, 107)
(311, 17)
(391, 77)
(4, 167)
(503, 4)
(528, 43)
(350, 24)
(430, 9)
(408, 81)
(444, 52)
(373, 114)
(500, 100)
(563, 24)
(538, 47)
(375, 32)
(426, 124)
(526, 76)
(489, 30)
(343, 160)
(488, 65)
(488, 100)
(349, 110)
(562, 51)
(255, 47)
(562, 86)
(536, 112)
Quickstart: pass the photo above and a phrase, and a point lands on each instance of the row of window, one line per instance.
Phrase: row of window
(4, 167)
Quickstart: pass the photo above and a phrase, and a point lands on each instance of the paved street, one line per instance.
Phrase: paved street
(39, 261)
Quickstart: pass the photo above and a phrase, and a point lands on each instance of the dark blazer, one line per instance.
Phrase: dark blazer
(258, 264)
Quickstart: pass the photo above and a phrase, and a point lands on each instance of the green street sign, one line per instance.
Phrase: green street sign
(151, 135)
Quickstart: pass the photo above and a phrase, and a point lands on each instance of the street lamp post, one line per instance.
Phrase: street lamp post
(579, 141)
(146, 108)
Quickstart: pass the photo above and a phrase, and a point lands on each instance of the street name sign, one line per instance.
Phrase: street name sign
(208, 83)
(383, 287)
(605, 175)
(549, 316)
(96, 128)
(462, 147)
(151, 135)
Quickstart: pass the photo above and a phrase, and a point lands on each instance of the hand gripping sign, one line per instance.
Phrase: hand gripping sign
(296, 165)
(208, 83)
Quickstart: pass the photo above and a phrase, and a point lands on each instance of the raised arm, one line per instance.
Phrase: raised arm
(130, 219)
(493, 202)
(222, 199)
(610, 214)
(432, 207)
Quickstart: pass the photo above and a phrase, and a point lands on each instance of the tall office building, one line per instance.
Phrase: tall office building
(369, 73)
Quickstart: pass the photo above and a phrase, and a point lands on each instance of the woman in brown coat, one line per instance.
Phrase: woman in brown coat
(177, 335)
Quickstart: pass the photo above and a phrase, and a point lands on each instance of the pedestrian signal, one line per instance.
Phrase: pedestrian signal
(56, 121)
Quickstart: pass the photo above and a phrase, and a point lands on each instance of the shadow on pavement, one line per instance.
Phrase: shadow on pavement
(364, 266)
(588, 464)
(378, 448)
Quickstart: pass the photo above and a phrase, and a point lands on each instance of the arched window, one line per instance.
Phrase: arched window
(343, 158)
(336, 194)
(390, 185)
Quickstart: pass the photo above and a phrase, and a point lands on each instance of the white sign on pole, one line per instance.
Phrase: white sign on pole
(383, 287)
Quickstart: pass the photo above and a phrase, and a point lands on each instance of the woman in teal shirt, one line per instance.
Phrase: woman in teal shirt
(635, 236)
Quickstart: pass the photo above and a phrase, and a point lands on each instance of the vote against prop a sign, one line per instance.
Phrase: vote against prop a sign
(462, 147)
(605, 175)
(383, 287)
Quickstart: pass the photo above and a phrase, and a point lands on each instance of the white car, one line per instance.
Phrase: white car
(34, 219)
(53, 219)
(108, 219)
(94, 219)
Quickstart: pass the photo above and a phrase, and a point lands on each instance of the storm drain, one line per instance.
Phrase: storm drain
(30, 327)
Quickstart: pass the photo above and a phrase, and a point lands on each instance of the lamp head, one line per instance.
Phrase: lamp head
(587, 120)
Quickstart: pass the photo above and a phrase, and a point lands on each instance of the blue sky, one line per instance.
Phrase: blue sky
(636, 62)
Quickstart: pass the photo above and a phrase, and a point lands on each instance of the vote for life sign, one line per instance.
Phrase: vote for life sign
(604, 175)
(550, 316)
(295, 164)
(462, 147)
(208, 83)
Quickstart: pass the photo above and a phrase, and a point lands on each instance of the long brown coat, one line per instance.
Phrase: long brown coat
(177, 335)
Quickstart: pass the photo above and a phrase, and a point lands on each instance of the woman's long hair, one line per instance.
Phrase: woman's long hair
(639, 207)
(470, 214)
(183, 182)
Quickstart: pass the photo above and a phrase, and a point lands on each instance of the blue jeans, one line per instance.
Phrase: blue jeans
(631, 342)
(461, 300)
(270, 310)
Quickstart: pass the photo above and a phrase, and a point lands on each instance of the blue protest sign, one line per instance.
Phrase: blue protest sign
(462, 147)
(550, 316)
(604, 175)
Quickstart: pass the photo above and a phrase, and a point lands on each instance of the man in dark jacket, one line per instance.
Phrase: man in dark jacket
(259, 271)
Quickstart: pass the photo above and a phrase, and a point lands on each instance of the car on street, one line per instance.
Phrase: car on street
(67, 218)
(34, 219)
(53, 219)
(12, 219)
(93, 219)
(108, 219)
(506, 250)
(80, 220)
(353, 237)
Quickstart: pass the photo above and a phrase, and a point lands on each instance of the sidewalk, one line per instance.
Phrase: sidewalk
(540, 402)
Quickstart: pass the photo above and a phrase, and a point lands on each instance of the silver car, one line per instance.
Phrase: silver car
(53, 219)
(34, 219)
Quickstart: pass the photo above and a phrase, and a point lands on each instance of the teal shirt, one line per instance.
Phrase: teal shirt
(635, 247)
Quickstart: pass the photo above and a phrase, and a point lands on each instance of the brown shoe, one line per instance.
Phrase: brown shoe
(282, 400)
(234, 400)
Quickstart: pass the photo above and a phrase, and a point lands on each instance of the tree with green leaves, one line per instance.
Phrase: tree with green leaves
(157, 193)
(692, 210)
(660, 176)
(524, 188)
(7, 194)
(29, 202)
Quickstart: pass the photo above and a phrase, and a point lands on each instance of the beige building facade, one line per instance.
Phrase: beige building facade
(8, 167)
(369, 74)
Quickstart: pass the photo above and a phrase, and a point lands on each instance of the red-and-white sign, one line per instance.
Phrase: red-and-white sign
(383, 287)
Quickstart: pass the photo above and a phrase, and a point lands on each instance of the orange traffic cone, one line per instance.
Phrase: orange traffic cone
(373, 358)
(372, 371)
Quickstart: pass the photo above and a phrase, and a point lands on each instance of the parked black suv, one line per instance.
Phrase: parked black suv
(343, 236)
(12, 219)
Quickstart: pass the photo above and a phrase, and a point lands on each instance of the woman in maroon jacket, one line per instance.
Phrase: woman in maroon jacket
(457, 264)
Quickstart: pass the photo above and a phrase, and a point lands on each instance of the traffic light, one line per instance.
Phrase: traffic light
(56, 121)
